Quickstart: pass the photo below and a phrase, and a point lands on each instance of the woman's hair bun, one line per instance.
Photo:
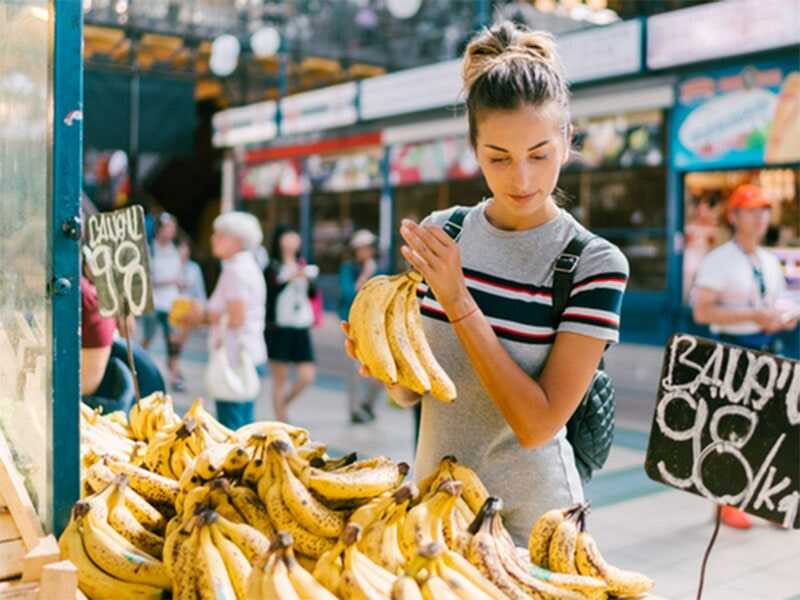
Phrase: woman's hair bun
(506, 42)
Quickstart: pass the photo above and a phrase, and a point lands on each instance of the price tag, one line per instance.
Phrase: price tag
(727, 427)
(119, 263)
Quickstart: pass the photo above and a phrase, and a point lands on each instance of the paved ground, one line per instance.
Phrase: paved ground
(639, 524)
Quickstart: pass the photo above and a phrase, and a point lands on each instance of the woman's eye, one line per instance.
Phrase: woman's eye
(497, 160)
(544, 157)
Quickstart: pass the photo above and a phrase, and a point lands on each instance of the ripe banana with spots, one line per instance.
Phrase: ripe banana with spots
(411, 373)
(361, 577)
(124, 522)
(424, 523)
(329, 567)
(235, 561)
(151, 486)
(621, 583)
(213, 581)
(406, 588)
(542, 534)
(355, 481)
(561, 553)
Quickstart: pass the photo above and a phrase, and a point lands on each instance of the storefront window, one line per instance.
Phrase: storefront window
(25, 149)
(706, 226)
(628, 207)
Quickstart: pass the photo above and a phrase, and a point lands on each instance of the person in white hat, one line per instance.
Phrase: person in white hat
(353, 274)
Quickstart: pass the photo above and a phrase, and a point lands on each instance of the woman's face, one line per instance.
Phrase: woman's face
(167, 231)
(520, 153)
(364, 253)
(224, 245)
(290, 244)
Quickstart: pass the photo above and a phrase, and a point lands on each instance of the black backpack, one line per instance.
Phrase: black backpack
(590, 429)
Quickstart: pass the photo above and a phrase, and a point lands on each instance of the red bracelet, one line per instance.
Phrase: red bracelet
(461, 318)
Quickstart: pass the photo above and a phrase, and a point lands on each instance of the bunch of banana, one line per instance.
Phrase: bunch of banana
(125, 522)
(107, 561)
(103, 436)
(381, 540)
(424, 524)
(218, 432)
(152, 414)
(99, 476)
(279, 575)
(474, 492)
(361, 577)
(445, 575)
(115, 422)
(386, 329)
(590, 563)
(543, 530)
(492, 551)
(171, 450)
(292, 508)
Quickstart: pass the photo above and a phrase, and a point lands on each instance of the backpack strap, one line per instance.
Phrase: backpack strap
(455, 223)
(564, 271)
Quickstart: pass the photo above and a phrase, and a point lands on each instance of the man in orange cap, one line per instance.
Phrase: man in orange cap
(737, 287)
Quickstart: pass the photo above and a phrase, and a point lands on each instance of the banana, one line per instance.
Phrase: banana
(282, 519)
(254, 589)
(176, 536)
(350, 484)
(209, 462)
(152, 486)
(257, 467)
(332, 464)
(213, 582)
(184, 575)
(235, 461)
(431, 482)
(483, 552)
(310, 513)
(561, 554)
(275, 582)
(328, 570)
(252, 509)
(114, 554)
(302, 581)
(591, 587)
(410, 372)
(312, 451)
(235, 561)
(435, 588)
(622, 584)
(251, 541)
(367, 319)
(219, 500)
(194, 498)
(391, 552)
(474, 492)
(542, 534)
(122, 520)
(298, 435)
(442, 387)
(406, 588)
(93, 581)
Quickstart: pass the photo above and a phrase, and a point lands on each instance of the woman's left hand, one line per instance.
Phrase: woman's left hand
(436, 256)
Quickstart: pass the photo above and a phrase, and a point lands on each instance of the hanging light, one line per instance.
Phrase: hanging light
(265, 41)
(403, 9)
(224, 55)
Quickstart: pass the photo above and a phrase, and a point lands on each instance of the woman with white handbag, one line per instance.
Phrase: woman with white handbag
(235, 315)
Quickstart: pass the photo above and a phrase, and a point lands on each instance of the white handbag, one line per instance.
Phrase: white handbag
(234, 383)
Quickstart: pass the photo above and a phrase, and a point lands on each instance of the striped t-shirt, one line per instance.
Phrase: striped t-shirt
(510, 276)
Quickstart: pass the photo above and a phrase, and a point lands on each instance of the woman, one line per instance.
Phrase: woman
(235, 311)
(352, 275)
(520, 373)
(290, 285)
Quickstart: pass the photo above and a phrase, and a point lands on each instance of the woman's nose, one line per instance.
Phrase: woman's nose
(520, 177)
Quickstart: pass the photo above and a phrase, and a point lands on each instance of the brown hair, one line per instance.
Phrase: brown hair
(508, 65)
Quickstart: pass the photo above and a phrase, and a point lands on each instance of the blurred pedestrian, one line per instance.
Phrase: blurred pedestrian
(362, 392)
(165, 267)
(290, 316)
(192, 288)
(235, 310)
(738, 289)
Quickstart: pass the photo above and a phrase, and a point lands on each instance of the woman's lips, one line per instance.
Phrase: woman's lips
(521, 198)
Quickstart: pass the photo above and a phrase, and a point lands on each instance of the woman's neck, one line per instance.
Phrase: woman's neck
(510, 222)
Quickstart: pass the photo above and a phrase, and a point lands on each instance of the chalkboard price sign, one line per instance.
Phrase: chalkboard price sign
(118, 261)
(727, 427)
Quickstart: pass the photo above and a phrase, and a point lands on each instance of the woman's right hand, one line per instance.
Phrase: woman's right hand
(400, 395)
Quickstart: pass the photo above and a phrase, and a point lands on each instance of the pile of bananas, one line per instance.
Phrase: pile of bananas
(386, 328)
(187, 505)
(560, 545)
